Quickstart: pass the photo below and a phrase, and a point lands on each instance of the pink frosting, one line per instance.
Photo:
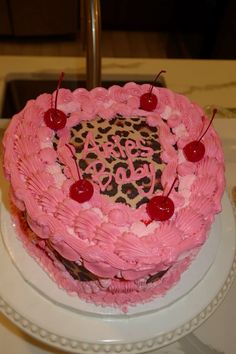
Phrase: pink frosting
(103, 235)
(110, 292)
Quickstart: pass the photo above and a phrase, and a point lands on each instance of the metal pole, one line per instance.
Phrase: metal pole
(93, 59)
(83, 27)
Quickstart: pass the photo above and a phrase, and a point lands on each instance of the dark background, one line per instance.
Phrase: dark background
(205, 27)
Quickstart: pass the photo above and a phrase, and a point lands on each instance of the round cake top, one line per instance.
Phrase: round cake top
(111, 230)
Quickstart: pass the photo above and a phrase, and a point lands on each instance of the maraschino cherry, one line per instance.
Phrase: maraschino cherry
(81, 190)
(195, 150)
(161, 207)
(54, 118)
(148, 101)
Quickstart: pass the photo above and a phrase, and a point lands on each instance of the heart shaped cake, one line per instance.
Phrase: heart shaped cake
(106, 197)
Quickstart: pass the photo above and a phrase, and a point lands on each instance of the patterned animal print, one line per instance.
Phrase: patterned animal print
(78, 272)
(132, 129)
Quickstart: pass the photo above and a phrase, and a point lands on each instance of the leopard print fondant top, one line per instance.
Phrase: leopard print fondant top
(121, 155)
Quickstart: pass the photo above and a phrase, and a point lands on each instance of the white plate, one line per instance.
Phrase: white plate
(77, 332)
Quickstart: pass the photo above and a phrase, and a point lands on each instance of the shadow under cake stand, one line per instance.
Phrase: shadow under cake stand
(30, 299)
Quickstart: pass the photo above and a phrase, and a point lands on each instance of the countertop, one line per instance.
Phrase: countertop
(204, 81)
(207, 82)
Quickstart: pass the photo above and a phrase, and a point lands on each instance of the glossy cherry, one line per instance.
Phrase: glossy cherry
(82, 190)
(148, 100)
(195, 150)
(161, 207)
(54, 118)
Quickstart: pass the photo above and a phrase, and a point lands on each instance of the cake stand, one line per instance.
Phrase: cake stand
(56, 323)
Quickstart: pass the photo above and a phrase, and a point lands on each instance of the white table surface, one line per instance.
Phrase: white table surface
(207, 82)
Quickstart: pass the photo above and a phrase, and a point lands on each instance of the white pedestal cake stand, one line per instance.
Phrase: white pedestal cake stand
(68, 327)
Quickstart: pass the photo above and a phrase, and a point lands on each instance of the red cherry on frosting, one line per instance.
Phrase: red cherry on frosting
(161, 207)
(148, 100)
(195, 150)
(81, 190)
(54, 118)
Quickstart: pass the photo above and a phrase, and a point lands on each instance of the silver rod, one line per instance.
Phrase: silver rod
(93, 59)
(82, 24)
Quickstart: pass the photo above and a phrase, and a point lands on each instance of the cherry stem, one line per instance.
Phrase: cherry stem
(213, 116)
(74, 158)
(58, 86)
(155, 80)
(51, 101)
(172, 186)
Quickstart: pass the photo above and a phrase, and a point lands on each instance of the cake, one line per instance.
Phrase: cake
(107, 193)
